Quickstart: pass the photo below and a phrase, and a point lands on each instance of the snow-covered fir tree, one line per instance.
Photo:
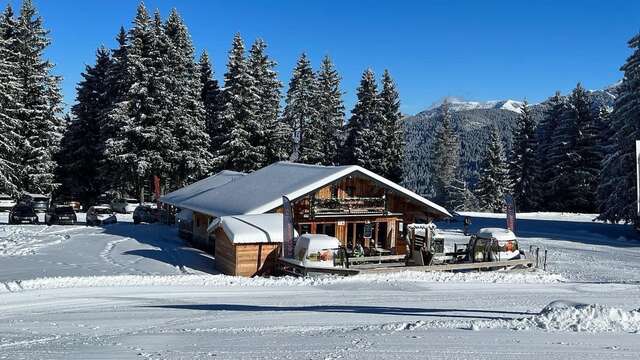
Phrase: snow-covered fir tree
(239, 152)
(301, 113)
(275, 135)
(141, 146)
(211, 97)
(446, 158)
(10, 91)
(366, 128)
(81, 150)
(394, 129)
(493, 183)
(191, 158)
(546, 150)
(618, 182)
(40, 126)
(523, 168)
(576, 156)
(460, 195)
(330, 110)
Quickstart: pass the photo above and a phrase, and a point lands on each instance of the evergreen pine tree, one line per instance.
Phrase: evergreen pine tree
(618, 180)
(191, 157)
(238, 151)
(330, 111)
(211, 97)
(301, 114)
(141, 146)
(394, 130)
(493, 182)
(39, 126)
(274, 135)
(446, 150)
(81, 150)
(10, 90)
(366, 128)
(523, 165)
(546, 150)
(577, 155)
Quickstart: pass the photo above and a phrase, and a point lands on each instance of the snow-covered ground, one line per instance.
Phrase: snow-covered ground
(137, 291)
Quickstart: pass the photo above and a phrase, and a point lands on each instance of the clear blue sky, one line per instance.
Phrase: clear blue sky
(478, 50)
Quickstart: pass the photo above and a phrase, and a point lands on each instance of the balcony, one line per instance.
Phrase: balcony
(348, 206)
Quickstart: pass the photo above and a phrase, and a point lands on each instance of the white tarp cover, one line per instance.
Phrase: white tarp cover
(262, 190)
(251, 229)
(499, 234)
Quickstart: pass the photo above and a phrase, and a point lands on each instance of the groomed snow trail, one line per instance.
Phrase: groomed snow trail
(137, 292)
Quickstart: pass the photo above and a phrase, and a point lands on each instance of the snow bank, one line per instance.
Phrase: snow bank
(229, 281)
(572, 317)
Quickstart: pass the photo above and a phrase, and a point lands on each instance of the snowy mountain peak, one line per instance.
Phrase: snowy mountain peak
(458, 104)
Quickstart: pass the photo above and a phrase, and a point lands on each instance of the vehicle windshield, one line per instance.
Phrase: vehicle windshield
(103, 211)
(64, 210)
(5, 197)
(23, 211)
(132, 201)
(39, 199)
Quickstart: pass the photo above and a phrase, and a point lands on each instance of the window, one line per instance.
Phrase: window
(327, 229)
(305, 229)
(351, 190)
(334, 191)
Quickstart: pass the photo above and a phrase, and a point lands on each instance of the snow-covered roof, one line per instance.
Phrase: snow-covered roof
(200, 187)
(262, 190)
(499, 234)
(251, 229)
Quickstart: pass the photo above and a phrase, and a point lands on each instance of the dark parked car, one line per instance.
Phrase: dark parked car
(39, 203)
(60, 214)
(145, 213)
(23, 214)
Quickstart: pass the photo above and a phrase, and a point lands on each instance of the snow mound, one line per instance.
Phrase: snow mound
(584, 318)
(233, 281)
(572, 317)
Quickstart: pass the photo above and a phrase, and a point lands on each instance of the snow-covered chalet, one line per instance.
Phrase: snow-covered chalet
(238, 217)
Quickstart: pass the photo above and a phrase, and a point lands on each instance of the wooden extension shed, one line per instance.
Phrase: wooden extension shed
(247, 245)
(361, 209)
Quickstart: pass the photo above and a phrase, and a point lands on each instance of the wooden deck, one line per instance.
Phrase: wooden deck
(290, 268)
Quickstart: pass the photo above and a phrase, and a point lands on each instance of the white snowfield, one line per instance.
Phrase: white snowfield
(129, 291)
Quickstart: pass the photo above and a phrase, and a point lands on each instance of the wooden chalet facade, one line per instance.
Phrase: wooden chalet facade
(359, 208)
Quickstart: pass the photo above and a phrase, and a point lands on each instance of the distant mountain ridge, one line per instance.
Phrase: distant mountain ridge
(472, 121)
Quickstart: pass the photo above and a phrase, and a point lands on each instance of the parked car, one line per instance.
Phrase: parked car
(39, 202)
(23, 214)
(145, 213)
(124, 205)
(60, 214)
(100, 215)
(6, 202)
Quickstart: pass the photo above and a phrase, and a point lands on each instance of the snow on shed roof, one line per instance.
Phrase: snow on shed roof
(251, 229)
(262, 190)
(200, 187)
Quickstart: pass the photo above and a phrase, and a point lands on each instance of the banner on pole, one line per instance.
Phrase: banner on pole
(287, 231)
(511, 212)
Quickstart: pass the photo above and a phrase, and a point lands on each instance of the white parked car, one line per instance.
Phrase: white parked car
(124, 205)
(100, 215)
(6, 202)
